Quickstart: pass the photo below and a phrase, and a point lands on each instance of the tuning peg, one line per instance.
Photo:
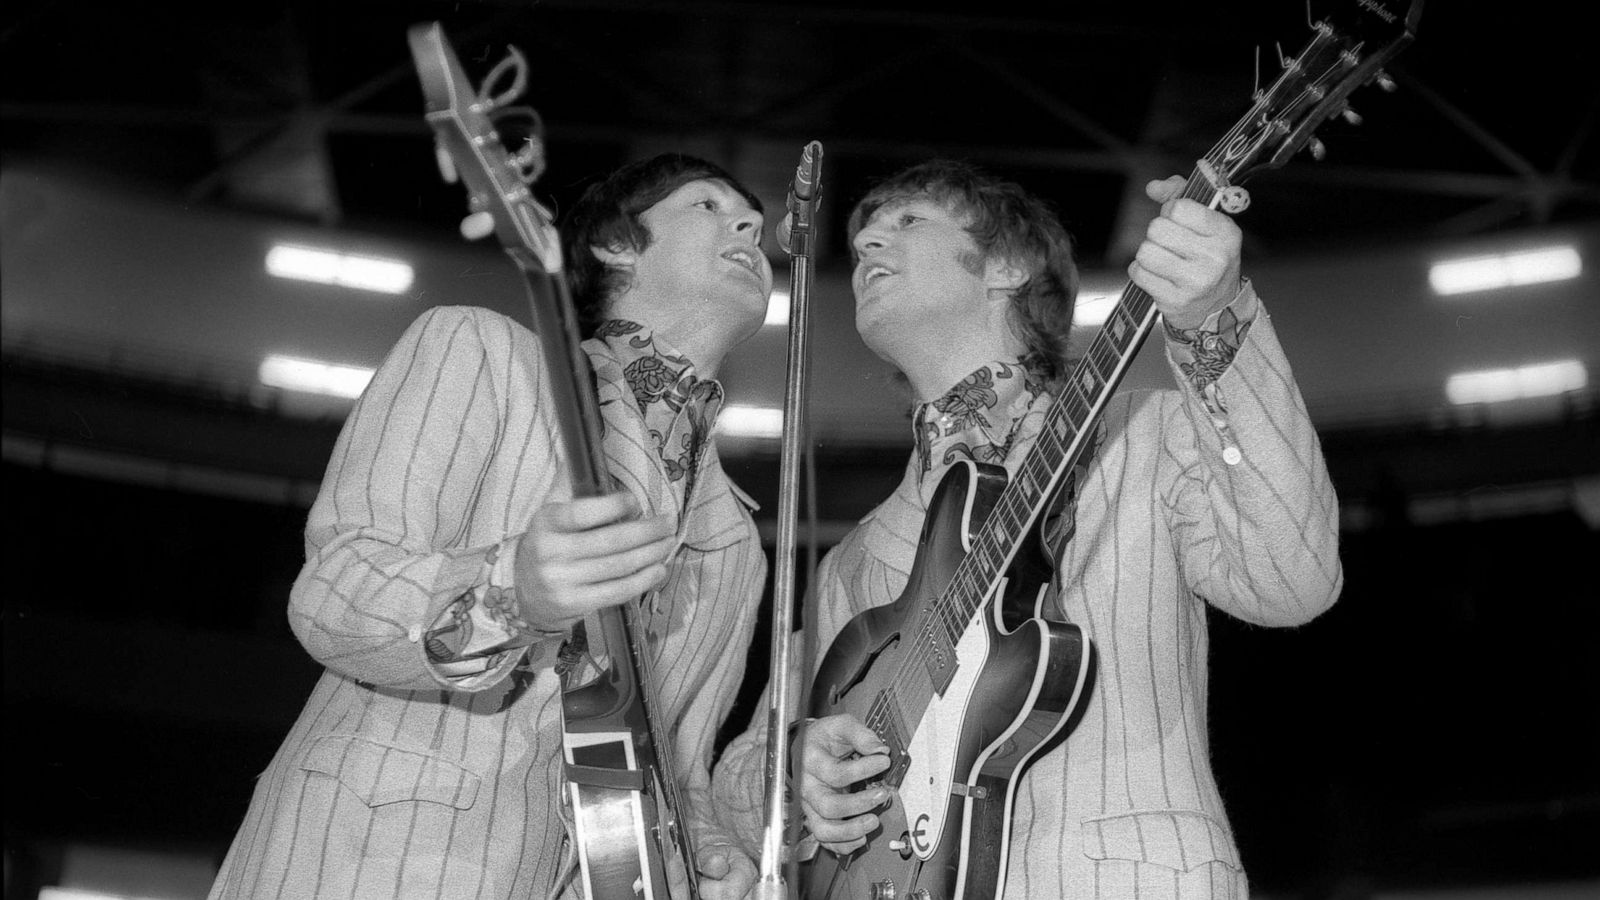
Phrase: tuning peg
(1351, 116)
(530, 160)
(478, 225)
(1382, 79)
(1318, 149)
(447, 166)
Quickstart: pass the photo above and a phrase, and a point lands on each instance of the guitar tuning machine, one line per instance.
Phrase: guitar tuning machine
(1319, 150)
(515, 66)
(447, 166)
(478, 225)
(1350, 115)
(530, 160)
(1383, 80)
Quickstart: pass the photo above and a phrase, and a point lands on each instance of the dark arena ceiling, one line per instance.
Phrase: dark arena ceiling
(312, 109)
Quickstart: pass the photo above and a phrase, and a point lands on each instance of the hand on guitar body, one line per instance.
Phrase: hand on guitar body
(1189, 260)
(726, 873)
(588, 553)
(841, 751)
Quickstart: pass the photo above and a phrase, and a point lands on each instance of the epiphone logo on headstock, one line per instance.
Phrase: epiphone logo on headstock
(1376, 8)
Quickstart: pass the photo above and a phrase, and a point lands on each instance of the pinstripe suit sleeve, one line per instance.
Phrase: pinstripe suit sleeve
(1258, 539)
(709, 707)
(738, 788)
(383, 558)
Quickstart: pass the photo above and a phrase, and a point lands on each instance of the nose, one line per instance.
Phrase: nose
(747, 223)
(868, 239)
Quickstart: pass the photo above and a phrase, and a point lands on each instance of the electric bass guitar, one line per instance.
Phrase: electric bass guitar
(964, 676)
(621, 783)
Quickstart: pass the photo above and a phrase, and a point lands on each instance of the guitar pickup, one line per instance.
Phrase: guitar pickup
(939, 654)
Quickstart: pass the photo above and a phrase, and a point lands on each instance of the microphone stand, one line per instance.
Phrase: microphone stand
(795, 235)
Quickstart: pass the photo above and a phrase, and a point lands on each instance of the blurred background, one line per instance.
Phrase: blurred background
(173, 383)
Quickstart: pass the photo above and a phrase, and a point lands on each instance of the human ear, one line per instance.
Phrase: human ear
(1000, 274)
(615, 256)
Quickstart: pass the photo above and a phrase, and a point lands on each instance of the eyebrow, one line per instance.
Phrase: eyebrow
(901, 204)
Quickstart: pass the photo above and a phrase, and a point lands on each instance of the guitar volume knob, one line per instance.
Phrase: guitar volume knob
(883, 890)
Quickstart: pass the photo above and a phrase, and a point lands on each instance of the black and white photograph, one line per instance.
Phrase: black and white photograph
(829, 450)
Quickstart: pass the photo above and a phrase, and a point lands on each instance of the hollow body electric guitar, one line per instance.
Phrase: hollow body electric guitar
(620, 781)
(963, 676)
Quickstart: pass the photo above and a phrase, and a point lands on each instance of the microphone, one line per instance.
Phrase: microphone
(802, 194)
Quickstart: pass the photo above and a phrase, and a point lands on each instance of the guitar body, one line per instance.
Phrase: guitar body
(1018, 678)
(627, 836)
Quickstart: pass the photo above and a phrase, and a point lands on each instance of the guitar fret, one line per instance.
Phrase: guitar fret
(969, 590)
(1013, 516)
(950, 618)
(1117, 326)
(1104, 368)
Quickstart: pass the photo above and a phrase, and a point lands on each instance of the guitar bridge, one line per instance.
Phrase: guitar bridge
(893, 734)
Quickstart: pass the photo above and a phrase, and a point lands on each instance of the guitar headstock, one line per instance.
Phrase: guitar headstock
(1347, 50)
(498, 180)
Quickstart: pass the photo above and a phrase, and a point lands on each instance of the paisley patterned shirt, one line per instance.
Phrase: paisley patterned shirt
(679, 410)
(983, 411)
(678, 406)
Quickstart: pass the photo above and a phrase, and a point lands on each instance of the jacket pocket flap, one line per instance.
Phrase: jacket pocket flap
(1179, 839)
(380, 773)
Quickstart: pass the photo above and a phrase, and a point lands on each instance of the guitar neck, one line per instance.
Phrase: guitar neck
(577, 410)
(1065, 433)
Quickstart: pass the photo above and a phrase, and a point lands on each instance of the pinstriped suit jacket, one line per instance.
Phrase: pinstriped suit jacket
(399, 781)
(1127, 806)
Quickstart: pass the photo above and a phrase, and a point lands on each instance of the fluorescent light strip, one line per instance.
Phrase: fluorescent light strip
(367, 273)
(313, 377)
(778, 308)
(1520, 383)
(1503, 270)
(750, 422)
(1093, 308)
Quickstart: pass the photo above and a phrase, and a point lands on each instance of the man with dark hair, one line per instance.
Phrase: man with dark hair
(447, 559)
(1214, 492)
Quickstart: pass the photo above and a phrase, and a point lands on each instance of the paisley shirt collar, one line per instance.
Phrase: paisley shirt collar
(679, 407)
(977, 418)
